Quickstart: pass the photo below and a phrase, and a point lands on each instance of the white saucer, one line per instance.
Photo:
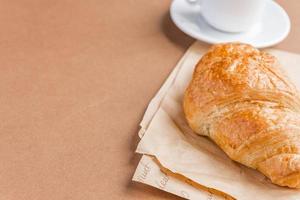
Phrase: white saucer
(273, 28)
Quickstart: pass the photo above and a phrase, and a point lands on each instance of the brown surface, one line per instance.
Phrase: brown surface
(75, 79)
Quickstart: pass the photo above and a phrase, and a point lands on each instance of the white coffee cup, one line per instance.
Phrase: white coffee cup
(232, 15)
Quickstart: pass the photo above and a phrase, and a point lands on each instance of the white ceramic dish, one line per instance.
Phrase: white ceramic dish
(273, 28)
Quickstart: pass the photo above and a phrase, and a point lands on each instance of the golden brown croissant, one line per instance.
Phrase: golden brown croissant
(240, 99)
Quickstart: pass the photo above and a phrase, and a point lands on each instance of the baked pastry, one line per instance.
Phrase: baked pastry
(240, 99)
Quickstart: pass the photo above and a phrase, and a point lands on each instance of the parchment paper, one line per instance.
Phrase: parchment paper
(148, 171)
(168, 138)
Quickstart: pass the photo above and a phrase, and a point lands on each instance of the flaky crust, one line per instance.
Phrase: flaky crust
(241, 100)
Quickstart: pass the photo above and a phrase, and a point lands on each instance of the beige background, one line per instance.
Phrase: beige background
(75, 79)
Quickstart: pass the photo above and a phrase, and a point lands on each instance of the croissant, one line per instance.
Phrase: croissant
(240, 99)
